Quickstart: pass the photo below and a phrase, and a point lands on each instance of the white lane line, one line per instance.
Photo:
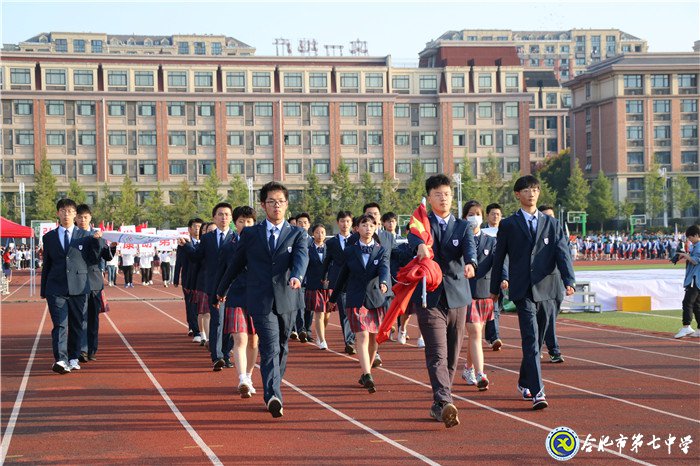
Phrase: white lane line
(190, 430)
(7, 437)
(158, 309)
(652, 315)
(658, 353)
(7, 296)
(362, 426)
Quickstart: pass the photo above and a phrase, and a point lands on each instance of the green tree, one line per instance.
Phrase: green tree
(654, 192)
(547, 195)
(576, 193)
(389, 196)
(556, 171)
(470, 185)
(7, 207)
(209, 195)
(127, 209)
(601, 206)
(344, 192)
(45, 193)
(76, 192)
(368, 189)
(492, 187)
(415, 191)
(317, 199)
(154, 210)
(104, 209)
(509, 203)
(238, 192)
(183, 204)
(625, 209)
(683, 195)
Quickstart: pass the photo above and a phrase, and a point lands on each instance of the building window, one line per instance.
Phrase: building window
(633, 107)
(147, 168)
(662, 132)
(56, 77)
(512, 84)
(549, 62)
(146, 108)
(662, 157)
(24, 138)
(261, 80)
(86, 138)
(205, 109)
(117, 167)
(376, 166)
(374, 138)
(428, 111)
(403, 167)
(374, 80)
(401, 82)
(203, 79)
(511, 109)
(402, 111)
(88, 168)
(427, 83)
(687, 83)
(235, 138)
(292, 138)
(143, 79)
(551, 100)
(263, 109)
(96, 46)
(177, 138)
(23, 107)
(589, 140)
(263, 138)
(458, 138)
(78, 46)
(236, 168)
(689, 106)
(177, 79)
(428, 139)
(402, 139)
(486, 138)
(513, 139)
(116, 108)
(534, 62)
(56, 138)
(25, 168)
(689, 157)
(264, 167)
(635, 159)
(430, 166)
(319, 109)
(116, 78)
(660, 84)
(348, 138)
(352, 165)
(234, 109)
(206, 138)
(318, 81)
(292, 80)
(292, 167)
(319, 138)
(292, 109)
(216, 48)
(116, 138)
(176, 109)
(20, 76)
(485, 110)
(457, 81)
(206, 167)
(635, 133)
(82, 78)
(183, 48)
(236, 79)
(349, 81)
(178, 167)
(61, 45)
(632, 84)
(200, 48)
(689, 131)
(55, 107)
(659, 106)
(374, 109)
(322, 167)
(458, 111)
(348, 110)
(147, 138)
(588, 91)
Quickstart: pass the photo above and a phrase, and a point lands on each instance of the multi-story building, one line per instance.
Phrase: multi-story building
(633, 111)
(164, 118)
(549, 115)
(566, 53)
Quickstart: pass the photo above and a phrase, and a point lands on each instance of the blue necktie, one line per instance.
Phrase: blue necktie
(271, 240)
(443, 227)
(366, 249)
(66, 240)
(533, 230)
(221, 239)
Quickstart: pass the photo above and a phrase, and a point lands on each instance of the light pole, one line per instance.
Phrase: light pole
(249, 182)
(458, 179)
(21, 203)
(664, 176)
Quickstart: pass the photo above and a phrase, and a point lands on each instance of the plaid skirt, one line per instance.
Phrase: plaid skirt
(201, 299)
(317, 300)
(362, 319)
(237, 320)
(480, 311)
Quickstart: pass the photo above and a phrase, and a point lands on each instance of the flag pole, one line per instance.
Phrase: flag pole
(424, 295)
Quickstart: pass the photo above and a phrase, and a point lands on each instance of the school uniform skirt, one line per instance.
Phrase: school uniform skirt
(480, 311)
(237, 320)
(201, 299)
(317, 300)
(362, 319)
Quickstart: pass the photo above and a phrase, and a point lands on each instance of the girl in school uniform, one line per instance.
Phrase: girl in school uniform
(481, 308)
(365, 278)
(316, 294)
(200, 296)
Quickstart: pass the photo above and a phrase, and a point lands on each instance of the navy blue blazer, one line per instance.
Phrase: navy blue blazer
(66, 273)
(207, 253)
(94, 273)
(481, 283)
(267, 281)
(182, 265)
(360, 283)
(334, 260)
(453, 250)
(314, 271)
(235, 296)
(531, 264)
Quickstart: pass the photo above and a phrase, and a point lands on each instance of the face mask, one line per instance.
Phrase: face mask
(474, 221)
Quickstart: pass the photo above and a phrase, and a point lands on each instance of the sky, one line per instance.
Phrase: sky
(397, 28)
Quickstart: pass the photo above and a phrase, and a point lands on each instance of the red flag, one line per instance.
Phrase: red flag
(102, 225)
(410, 275)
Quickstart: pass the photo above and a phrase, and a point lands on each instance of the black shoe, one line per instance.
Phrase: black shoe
(294, 336)
(368, 383)
(219, 364)
(91, 357)
(190, 333)
(228, 363)
(556, 358)
(83, 357)
(436, 411)
(303, 337)
(60, 368)
(274, 406)
(377, 362)
(350, 349)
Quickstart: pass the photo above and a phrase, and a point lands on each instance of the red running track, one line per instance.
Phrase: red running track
(152, 398)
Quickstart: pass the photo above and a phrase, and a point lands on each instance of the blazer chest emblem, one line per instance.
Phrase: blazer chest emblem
(455, 242)
(546, 241)
(289, 249)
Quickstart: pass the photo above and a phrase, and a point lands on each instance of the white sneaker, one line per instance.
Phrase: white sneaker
(420, 343)
(73, 365)
(323, 345)
(696, 334)
(684, 332)
(197, 339)
(250, 384)
(402, 337)
(469, 376)
(244, 387)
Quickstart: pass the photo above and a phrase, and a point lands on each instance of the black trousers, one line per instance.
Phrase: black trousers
(691, 305)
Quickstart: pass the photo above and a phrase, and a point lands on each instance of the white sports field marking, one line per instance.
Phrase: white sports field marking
(7, 436)
(157, 309)
(190, 430)
(5, 297)
(652, 315)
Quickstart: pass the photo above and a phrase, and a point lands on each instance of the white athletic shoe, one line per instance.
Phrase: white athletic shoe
(696, 334)
(197, 339)
(469, 376)
(323, 345)
(420, 343)
(402, 337)
(73, 365)
(684, 332)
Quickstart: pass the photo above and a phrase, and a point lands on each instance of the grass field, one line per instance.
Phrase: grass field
(657, 321)
(627, 266)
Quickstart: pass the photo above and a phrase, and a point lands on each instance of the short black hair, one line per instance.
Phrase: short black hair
(273, 186)
(544, 207)
(365, 218)
(192, 221)
(692, 230)
(64, 203)
(292, 217)
(389, 216)
(318, 225)
(304, 215)
(436, 181)
(369, 205)
(493, 205)
(524, 182)
(83, 209)
(343, 214)
(221, 205)
(204, 227)
(244, 211)
(469, 204)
